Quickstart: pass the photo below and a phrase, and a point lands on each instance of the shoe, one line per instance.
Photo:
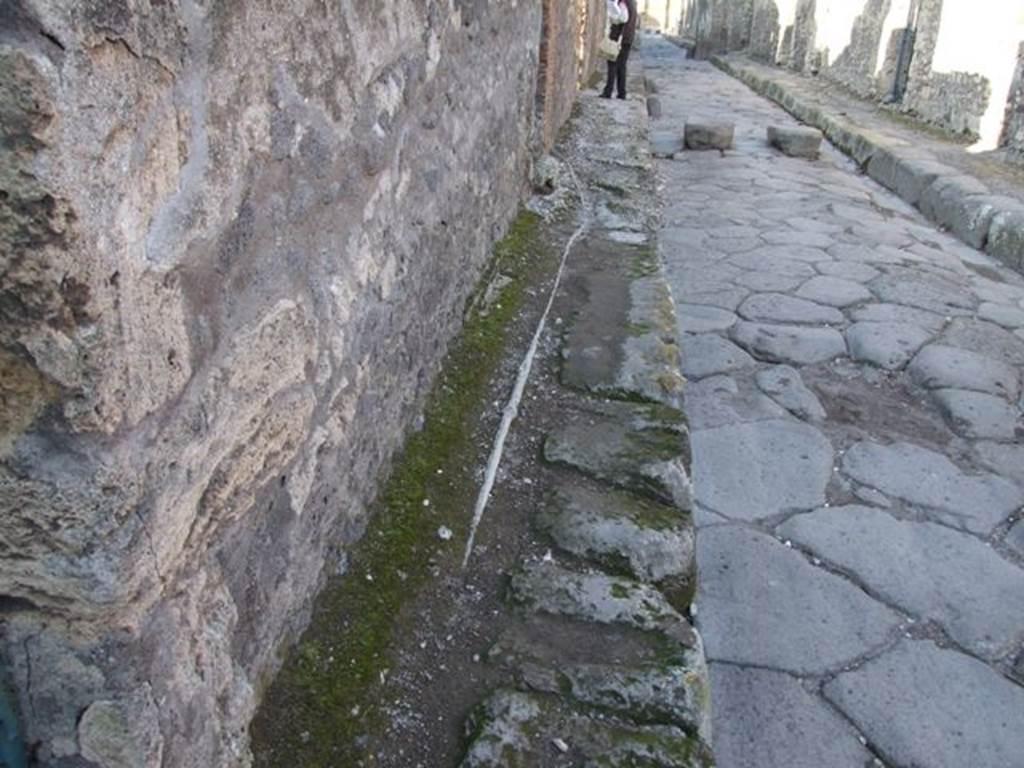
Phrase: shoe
(604, 96)
(621, 96)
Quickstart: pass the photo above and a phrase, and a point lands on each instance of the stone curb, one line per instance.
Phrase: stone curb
(624, 551)
(953, 200)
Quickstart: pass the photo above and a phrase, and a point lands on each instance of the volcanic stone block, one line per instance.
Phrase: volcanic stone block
(796, 142)
(709, 135)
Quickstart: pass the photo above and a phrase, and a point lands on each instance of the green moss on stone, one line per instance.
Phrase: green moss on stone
(327, 692)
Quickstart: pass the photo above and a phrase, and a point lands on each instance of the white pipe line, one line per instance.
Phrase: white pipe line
(512, 408)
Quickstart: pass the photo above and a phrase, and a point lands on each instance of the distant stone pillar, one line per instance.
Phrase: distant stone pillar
(1012, 136)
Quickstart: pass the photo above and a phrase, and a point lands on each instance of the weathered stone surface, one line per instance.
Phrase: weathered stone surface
(113, 734)
(760, 280)
(907, 177)
(932, 482)
(514, 728)
(962, 204)
(709, 354)
(719, 400)
(955, 711)
(985, 338)
(860, 273)
(700, 135)
(789, 343)
(1002, 458)
(765, 718)
(941, 367)
(1015, 538)
(614, 527)
(666, 144)
(759, 469)
(698, 318)
(979, 415)
(887, 345)
(805, 620)
(912, 289)
(1006, 237)
(780, 308)
(1002, 314)
(896, 313)
(597, 597)
(637, 447)
(833, 291)
(795, 141)
(786, 387)
(926, 569)
(653, 107)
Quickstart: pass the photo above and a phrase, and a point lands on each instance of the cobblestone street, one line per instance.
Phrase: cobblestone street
(854, 395)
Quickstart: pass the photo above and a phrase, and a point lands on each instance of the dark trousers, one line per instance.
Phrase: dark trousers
(617, 73)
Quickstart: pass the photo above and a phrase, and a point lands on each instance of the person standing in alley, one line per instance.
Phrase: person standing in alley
(624, 33)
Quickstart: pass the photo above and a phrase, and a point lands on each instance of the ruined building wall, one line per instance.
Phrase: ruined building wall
(235, 240)
(572, 30)
(948, 62)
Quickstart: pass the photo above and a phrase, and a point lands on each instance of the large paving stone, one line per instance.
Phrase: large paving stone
(698, 318)
(766, 719)
(776, 264)
(719, 400)
(986, 339)
(921, 705)
(913, 289)
(614, 527)
(940, 367)
(887, 345)
(759, 469)
(513, 728)
(1015, 538)
(926, 569)
(1006, 459)
(786, 387)
(761, 280)
(833, 291)
(897, 313)
(930, 481)
(666, 144)
(789, 343)
(764, 604)
(859, 273)
(708, 354)
(979, 415)
(1002, 314)
(780, 308)
(636, 447)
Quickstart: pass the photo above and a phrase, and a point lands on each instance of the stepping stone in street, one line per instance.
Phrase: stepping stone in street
(941, 367)
(955, 711)
(513, 728)
(926, 569)
(887, 345)
(633, 446)
(701, 135)
(798, 344)
(979, 415)
(786, 387)
(932, 483)
(796, 142)
(613, 528)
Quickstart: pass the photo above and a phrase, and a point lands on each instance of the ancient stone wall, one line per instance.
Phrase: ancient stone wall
(235, 240)
(1013, 126)
(572, 30)
(947, 62)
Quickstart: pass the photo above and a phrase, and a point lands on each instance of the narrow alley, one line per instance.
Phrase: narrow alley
(854, 385)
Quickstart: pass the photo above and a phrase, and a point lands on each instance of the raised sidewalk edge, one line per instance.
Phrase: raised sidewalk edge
(953, 200)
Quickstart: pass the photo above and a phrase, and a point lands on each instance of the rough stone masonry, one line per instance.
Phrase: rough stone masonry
(235, 240)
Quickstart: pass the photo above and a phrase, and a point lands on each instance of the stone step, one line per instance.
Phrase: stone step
(639, 447)
(513, 728)
(652, 542)
(597, 597)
